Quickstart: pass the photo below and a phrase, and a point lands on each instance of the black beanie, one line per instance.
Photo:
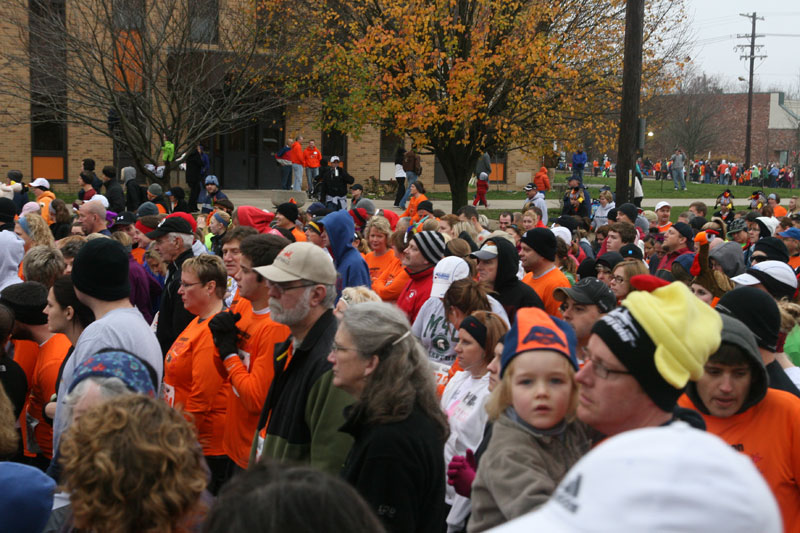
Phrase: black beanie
(634, 348)
(758, 310)
(7, 211)
(630, 211)
(774, 248)
(289, 210)
(542, 241)
(27, 300)
(100, 270)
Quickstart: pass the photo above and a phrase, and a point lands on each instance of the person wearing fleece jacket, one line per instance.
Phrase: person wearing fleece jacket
(350, 265)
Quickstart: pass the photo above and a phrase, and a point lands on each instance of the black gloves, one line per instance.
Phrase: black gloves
(225, 333)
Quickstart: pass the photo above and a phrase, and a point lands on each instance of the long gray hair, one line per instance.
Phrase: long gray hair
(403, 376)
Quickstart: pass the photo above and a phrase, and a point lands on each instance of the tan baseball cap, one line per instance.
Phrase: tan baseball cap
(300, 260)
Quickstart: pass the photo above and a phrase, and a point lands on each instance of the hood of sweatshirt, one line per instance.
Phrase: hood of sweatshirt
(538, 196)
(340, 228)
(128, 174)
(255, 218)
(734, 332)
(730, 257)
(507, 264)
(12, 250)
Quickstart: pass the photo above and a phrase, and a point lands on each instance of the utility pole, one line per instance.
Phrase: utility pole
(752, 57)
(631, 89)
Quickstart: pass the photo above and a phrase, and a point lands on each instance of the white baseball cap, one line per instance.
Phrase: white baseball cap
(446, 271)
(661, 204)
(100, 198)
(334, 158)
(777, 270)
(40, 182)
(563, 233)
(300, 260)
(659, 479)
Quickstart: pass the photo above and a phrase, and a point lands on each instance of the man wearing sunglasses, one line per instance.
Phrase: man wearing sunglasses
(303, 411)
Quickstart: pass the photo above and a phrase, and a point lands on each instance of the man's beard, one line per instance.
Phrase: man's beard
(290, 317)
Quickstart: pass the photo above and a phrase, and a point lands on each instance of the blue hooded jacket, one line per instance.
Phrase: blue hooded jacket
(352, 268)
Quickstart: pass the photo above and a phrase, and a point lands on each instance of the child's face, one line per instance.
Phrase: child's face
(541, 388)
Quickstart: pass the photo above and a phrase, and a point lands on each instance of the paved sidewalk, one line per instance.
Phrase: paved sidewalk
(262, 200)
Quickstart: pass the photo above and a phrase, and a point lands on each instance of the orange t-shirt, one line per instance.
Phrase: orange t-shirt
(779, 211)
(25, 355)
(545, 285)
(411, 210)
(299, 236)
(391, 282)
(191, 380)
(794, 261)
(138, 254)
(377, 265)
(250, 376)
(43, 386)
(665, 227)
(768, 433)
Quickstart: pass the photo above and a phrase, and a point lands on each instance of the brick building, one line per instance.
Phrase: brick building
(242, 160)
(775, 133)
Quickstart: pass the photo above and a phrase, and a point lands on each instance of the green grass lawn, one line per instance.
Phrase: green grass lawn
(651, 188)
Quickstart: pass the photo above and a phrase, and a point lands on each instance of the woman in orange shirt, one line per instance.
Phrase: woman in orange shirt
(381, 257)
(392, 280)
(417, 195)
(191, 379)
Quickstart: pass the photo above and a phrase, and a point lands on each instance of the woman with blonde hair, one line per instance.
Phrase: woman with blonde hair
(600, 218)
(191, 379)
(34, 231)
(352, 296)
(132, 464)
(378, 234)
(620, 282)
(397, 458)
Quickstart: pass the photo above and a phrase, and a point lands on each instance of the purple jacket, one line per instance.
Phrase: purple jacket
(144, 289)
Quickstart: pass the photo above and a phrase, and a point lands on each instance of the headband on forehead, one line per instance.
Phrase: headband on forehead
(474, 327)
(314, 227)
(23, 223)
(219, 219)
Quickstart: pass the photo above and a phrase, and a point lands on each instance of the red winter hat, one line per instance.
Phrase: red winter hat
(647, 282)
(187, 217)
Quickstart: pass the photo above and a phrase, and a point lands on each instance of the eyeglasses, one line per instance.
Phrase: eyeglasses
(618, 279)
(184, 285)
(337, 348)
(281, 288)
(600, 370)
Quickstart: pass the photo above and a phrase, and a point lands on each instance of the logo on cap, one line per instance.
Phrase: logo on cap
(543, 336)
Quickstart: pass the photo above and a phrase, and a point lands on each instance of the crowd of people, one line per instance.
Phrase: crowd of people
(347, 368)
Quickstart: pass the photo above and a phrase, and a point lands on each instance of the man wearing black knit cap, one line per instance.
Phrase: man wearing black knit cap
(420, 256)
(640, 357)
(100, 277)
(7, 212)
(286, 217)
(538, 255)
(678, 240)
(759, 312)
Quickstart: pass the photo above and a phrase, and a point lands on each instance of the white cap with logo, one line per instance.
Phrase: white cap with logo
(446, 271)
(672, 478)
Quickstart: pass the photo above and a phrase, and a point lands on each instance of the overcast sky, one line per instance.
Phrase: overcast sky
(716, 24)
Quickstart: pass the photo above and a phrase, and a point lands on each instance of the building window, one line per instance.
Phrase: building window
(204, 21)
(334, 143)
(389, 145)
(128, 14)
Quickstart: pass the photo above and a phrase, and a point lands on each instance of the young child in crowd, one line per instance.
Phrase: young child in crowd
(535, 438)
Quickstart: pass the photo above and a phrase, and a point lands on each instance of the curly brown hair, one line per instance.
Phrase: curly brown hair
(132, 464)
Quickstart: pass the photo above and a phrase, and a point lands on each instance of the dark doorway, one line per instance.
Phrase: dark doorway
(334, 143)
(246, 158)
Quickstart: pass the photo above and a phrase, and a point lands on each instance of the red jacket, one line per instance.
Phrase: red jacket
(542, 180)
(296, 154)
(668, 259)
(312, 157)
(416, 292)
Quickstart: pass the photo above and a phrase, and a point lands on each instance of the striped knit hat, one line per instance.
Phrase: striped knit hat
(430, 244)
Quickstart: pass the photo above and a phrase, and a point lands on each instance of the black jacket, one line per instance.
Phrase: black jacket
(508, 289)
(336, 181)
(172, 317)
(399, 470)
(115, 196)
(303, 408)
(584, 208)
(134, 195)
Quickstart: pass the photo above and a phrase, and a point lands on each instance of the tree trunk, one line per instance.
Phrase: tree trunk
(458, 162)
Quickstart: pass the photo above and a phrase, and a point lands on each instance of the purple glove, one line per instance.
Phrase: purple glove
(461, 473)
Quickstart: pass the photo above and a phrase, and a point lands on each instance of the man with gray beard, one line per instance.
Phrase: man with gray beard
(303, 411)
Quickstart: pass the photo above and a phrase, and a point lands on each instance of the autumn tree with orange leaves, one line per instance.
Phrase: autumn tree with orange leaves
(463, 76)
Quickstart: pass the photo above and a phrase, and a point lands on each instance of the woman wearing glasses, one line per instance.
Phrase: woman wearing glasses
(397, 459)
(191, 380)
(620, 280)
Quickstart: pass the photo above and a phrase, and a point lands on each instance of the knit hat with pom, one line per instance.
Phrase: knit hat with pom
(663, 338)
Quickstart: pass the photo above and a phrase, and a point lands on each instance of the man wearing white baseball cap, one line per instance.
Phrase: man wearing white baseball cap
(41, 190)
(662, 212)
(660, 479)
(303, 411)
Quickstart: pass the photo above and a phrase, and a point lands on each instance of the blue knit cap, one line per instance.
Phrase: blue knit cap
(137, 375)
